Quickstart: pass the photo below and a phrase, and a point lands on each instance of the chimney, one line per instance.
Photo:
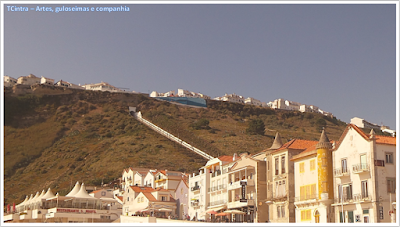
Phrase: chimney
(234, 157)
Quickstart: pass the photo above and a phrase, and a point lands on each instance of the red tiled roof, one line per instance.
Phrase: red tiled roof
(225, 158)
(297, 144)
(149, 196)
(142, 189)
(120, 198)
(379, 139)
(385, 140)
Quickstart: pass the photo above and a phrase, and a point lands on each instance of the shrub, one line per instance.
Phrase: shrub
(256, 127)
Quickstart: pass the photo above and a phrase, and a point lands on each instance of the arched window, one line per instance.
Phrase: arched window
(316, 215)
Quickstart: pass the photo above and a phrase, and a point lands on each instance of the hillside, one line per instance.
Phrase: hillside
(55, 139)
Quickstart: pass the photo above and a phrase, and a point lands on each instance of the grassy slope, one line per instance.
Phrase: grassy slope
(51, 141)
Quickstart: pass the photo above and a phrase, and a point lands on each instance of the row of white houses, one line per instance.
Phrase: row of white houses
(32, 79)
(352, 180)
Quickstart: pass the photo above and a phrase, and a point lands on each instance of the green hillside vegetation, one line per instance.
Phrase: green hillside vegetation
(55, 140)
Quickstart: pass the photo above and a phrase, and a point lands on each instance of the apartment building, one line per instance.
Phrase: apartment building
(246, 188)
(280, 178)
(208, 190)
(364, 170)
(314, 183)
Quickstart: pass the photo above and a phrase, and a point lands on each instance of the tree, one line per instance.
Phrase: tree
(256, 127)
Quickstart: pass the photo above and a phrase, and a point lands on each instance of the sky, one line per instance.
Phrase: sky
(339, 57)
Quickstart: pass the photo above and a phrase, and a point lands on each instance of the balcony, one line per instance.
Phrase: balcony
(306, 197)
(236, 184)
(361, 168)
(195, 188)
(282, 194)
(217, 188)
(360, 197)
(195, 203)
(346, 200)
(160, 180)
(218, 202)
(341, 172)
(216, 173)
(237, 203)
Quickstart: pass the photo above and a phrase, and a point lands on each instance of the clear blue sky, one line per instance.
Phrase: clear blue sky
(341, 58)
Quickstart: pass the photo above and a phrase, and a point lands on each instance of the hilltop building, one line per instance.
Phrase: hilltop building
(28, 80)
(102, 86)
(9, 81)
(66, 84)
(290, 105)
(231, 98)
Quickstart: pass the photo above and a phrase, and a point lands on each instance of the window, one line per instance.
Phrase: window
(278, 210)
(301, 167)
(305, 215)
(283, 211)
(308, 192)
(364, 189)
(389, 158)
(163, 198)
(283, 164)
(344, 165)
(347, 192)
(312, 165)
(276, 166)
(391, 185)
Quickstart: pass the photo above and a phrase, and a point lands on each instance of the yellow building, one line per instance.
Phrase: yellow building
(314, 183)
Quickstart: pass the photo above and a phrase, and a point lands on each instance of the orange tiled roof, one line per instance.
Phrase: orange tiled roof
(385, 140)
(120, 198)
(142, 189)
(225, 158)
(379, 139)
(149, 196)
(297, 144)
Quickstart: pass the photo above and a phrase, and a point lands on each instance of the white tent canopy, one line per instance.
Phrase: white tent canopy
(82, 194)
(74, 190)
(48, 194)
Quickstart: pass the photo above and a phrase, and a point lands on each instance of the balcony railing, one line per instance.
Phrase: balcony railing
(216, 188)
(195, 188)
(216, 173)
(195, 203)
(306, 197)
(340, 172)
(218, 202)
(361, 167)
(359, 197)
(348, 199)
(279, 194)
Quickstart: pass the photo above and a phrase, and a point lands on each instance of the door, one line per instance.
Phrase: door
(363, 161)
(351, 216)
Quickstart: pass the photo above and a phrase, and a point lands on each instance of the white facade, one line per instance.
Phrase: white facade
(9, 81)
(198, 195)
(47, 81)
(364, 177)
(28, 80)
(102, 86)
(253, 101)
(62, 83)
